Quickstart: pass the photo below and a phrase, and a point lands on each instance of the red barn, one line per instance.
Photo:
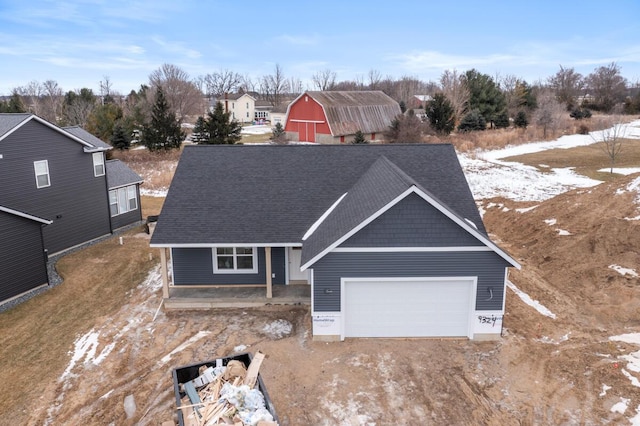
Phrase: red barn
(333, 117)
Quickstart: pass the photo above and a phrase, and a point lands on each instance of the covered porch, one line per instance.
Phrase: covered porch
(236, 297)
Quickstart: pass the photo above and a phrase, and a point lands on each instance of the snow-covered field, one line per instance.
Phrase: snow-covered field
(489, 176)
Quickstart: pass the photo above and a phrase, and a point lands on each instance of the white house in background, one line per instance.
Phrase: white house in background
(241, 106)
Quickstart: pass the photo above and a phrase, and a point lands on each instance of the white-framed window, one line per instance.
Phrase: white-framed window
(98, 164)
(247, 114)
(123, 200)
(41, 169)
(235, 260)
(260, 114)
(247, 105)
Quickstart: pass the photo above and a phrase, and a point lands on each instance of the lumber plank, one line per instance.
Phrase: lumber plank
(253, 370)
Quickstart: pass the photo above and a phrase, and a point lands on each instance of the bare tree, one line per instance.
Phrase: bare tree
(456, 92)
(324, 80)
(31, 96)
(612, 141)
(407, 87)
(566, 84)
(274, 86)
(295, 86)
(374, 79)
(607, 86)
(51, 104)
(247, 84)
(549, 112)
(405, 129)
(220, 82)
(181, 93)
(105, 90)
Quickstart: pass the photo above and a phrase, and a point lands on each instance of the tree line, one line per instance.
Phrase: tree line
(465, 101)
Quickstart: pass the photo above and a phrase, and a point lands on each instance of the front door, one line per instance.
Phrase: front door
(295, 275)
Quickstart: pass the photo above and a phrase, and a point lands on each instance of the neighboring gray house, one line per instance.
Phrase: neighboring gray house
(388, 236)
(58, 178)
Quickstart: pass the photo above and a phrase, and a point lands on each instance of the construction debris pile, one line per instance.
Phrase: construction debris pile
(226, 395)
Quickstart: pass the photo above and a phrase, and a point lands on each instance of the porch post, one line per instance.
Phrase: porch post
(267, 255)
(165, 273)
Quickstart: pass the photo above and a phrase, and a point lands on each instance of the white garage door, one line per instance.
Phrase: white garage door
(407, 307)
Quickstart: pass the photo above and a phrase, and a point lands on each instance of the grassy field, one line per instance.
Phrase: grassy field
(587, 160)
(37, 335)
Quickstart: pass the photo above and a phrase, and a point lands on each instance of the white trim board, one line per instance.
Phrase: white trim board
(408, 249)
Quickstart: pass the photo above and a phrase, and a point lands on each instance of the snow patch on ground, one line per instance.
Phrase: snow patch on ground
(605, 388)
(527, 209)
(623, 271)
(563, 232)
(529, 301)
(621, 170)
(258, 129)
(550, 222)
(633, 338)
(278, 328)
(199, 335)
(620, 407)
(154, 192)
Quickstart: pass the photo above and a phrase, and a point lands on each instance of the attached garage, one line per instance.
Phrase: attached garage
(408, 307)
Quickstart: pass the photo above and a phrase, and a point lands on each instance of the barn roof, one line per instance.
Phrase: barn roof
(370, 111)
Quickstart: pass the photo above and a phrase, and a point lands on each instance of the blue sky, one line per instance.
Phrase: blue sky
(78, 43)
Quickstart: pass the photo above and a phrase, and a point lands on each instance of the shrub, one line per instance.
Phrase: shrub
(580, 113)
(583, 129)
(472, 121)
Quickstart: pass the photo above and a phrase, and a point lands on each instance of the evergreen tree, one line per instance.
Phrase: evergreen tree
(358, 138)
(220, 129)
(502, 120)
(521, 120)
(163, 132)
(199, 134)
(14, 104)
(119, 138)
(278, 134)
(472, 121)
(440, 113)
(403, 106)
(485, 95)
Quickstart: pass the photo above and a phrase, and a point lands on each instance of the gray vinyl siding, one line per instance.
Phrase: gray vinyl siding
(412, 222)
(278, 265)
(22, 262)
(486, 265)
(194, 266)
(77, 201)
(128, 218)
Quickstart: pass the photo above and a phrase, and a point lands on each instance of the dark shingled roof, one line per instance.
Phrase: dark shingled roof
(79, 132)
(119, 174)
(10, 120)
(265, 195)
(370, 111)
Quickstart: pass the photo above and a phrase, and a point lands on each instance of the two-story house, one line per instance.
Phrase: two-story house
(241, 106)
(58, 191)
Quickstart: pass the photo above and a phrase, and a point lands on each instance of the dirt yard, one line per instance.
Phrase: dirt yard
(544, 371)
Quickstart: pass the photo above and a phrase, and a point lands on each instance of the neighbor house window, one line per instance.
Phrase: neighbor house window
(42, 173)
(260, 114)
(98, 164)
(123, 200)
(247, 105)
(235, 260)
